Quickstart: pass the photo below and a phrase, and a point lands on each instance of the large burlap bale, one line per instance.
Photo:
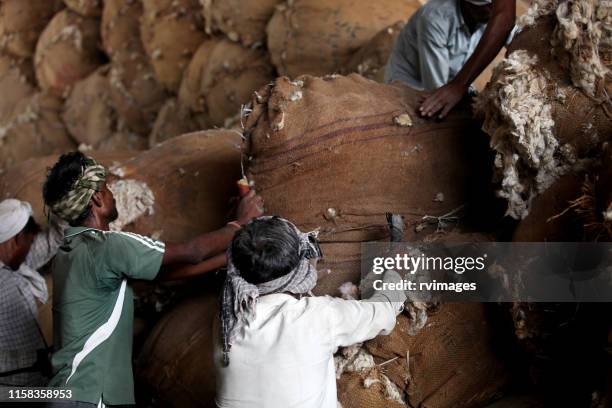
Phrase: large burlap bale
(171, 31)
(452, 360)
(541, 125)
(176, 361)
(16, 84)
(317, 37)
(21, 23)
(174, 191)
(370, 60)
(337, 153)
(136, 94)
(91, 117)
(87, 8)
(67, 51)
(175, 119)
(34, 129)
(221, 77)
(240, 20)
(120, 28)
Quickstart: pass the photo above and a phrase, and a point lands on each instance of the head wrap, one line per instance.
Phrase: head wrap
(239, 297)
(75, 202)
(14, 215)
(480, 2)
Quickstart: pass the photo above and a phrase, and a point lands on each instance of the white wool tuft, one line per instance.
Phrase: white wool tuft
(134, 199)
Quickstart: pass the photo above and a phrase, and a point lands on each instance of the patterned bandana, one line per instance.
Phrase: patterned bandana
(76, 201)
(239, 297)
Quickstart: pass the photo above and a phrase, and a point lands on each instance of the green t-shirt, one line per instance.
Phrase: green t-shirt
(93, 311)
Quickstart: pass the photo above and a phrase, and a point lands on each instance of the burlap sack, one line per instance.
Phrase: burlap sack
(171, 31)
(221, 77)
(119, 27)
(337, 153)
(370, 60)
(21, 22)
(541, 126)
(175, 119)
(191, 180)
(87, 8)
(175, 364)
(242, 21)
(33, 129)
(16, 83)
(317, 37)
(67, 51)
(451, 362)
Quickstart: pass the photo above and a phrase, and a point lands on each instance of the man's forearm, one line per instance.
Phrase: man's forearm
(187, 271)
(492, 41)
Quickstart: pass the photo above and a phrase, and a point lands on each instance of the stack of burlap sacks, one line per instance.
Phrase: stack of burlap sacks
(127, 74)
(330, 152)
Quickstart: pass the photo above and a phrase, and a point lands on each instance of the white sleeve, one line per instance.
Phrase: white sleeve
(355, 321)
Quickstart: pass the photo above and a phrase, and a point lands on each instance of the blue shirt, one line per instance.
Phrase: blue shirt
(433, 47)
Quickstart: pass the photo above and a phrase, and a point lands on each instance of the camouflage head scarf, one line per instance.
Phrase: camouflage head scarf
(75, 202)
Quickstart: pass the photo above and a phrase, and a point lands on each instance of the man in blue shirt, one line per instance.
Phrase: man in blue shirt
(446, 45)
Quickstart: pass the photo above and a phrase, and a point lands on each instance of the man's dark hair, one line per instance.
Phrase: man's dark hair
(265, 249)
(60, 179)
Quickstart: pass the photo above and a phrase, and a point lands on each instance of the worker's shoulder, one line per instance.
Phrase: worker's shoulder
(435, 9)
(129, 239)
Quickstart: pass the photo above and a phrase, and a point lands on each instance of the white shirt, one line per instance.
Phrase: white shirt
(285, 358)
(433, 47)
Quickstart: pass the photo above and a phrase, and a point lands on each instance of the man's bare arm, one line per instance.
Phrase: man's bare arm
(494, 38)
(184, 271)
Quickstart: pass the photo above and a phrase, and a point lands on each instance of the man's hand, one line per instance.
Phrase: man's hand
(251, 206)
(442, 100)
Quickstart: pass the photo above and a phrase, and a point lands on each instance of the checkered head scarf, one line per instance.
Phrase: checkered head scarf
(75, 202)
(239, 297)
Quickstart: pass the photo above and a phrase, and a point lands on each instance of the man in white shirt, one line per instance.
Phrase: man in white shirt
(276, 347)
(446, 45)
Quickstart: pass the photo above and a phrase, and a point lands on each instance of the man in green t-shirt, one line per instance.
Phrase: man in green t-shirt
(92, 298)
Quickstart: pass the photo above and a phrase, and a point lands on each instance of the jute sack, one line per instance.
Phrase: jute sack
(242, 21)
(171, 31)
(119, 27)
(451, 362)
(175, 364)
(67, 51)
(337, 153)
(174, 191)
(16, 83)
(175, 119)
(370, 60)
(87, 8)
(221, 77)
(541, 125)
(317, 37)
(33, 129)
(21, 23)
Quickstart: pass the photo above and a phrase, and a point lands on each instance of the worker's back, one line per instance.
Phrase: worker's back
(284, 358)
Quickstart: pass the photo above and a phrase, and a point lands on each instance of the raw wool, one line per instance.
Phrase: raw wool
(584, 33)
(370, 60)
(133, 199)
(86, 8)
(417, 313)
(174, 119)
(16, 83)
(318, 37)
(120, 27)
(221, 77)
(349, 291)
(171, 31)
(243, 21)
(21, 23)
(356, 359)
(537, 9)
(517, 114)
(136, 94)
(34, 129)
(67, 51)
